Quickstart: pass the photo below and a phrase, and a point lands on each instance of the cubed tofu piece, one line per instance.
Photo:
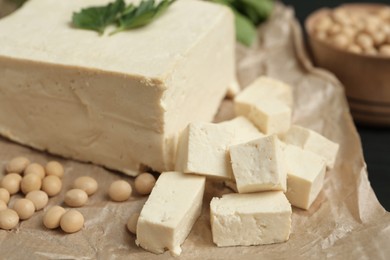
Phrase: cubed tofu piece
(203, 149)
(119, 101)
(170, 212)
(305, 176)
(250, 219)
(269, 115)
(312, 141)
(259, 165)
(265, 88)
(244, 130)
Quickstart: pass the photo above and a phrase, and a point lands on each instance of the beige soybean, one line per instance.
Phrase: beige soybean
(119, 191)
(385, 50)
(35, 168)
(335, 29)
(25, 208)
(384, 13)
(52, 185)
(379, 37)
(144, 183)
(4, 195)
(39, 198)
(324, 24)
(17, 165)
(132, 223)
(3, 205)
(11, 182)
(87, 184)
(72, 221)
(370, 51)
(76, 198)
(52, 217)
(341, 16)
(30, 183)
(340, 40)
(349, 32)
(8, 219)
(364, 40)
(321, 35)
(354, 48)
(54, 168)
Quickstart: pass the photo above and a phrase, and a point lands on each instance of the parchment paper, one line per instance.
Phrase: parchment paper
(345, 222)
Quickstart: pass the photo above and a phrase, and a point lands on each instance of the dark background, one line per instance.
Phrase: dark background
(375, 140)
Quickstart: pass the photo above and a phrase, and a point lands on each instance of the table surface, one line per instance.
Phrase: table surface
(375, 140)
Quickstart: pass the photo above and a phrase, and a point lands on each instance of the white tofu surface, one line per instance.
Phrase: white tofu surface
(266, 88)
(170, 212)
(243, 129)
(259, 165)
(250, 219)
(312, 141)
(269, 115)
(117, 101)
(305, 176)
(203, 149)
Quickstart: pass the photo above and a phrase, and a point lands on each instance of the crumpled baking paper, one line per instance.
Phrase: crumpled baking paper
(345, 222)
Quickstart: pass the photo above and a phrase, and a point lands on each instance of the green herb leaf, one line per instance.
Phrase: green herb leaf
(245, 30)
(248, 14)
(257, 10)
(146, 12)
(99, 17)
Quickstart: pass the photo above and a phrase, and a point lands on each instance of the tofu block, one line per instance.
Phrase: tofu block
(312, 141)
(305, 176)
(269, 115)
(266, 88)
(250, 219)
(203, 149)
(259, 165)
(244, 130)
(170, 212)
(118, 101)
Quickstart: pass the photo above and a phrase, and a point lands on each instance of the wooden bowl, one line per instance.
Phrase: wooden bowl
(366, 77)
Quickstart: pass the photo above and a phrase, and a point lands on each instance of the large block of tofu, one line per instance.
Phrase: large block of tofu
(312, 141)
(250, 219)
(170, 212)
(259, 165)
(120, 100)
(305, 176)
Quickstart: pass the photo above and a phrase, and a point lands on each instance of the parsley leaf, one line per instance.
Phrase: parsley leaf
(125, 17)
(97, 18)
(245, 30)
(248, 14)
(146, 12)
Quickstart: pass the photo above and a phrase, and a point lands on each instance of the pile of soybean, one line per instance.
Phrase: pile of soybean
(37, 183)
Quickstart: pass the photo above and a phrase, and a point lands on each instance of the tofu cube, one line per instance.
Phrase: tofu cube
(259, 165)
(267, 103)
(203, 149)
(265, 88)
(243, 129)
(250, 219)
(305, 176)
(119, 101)
(312, 141)
(269, 115)
(170, 212)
